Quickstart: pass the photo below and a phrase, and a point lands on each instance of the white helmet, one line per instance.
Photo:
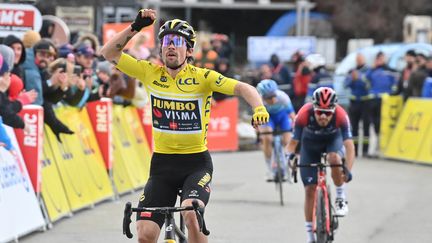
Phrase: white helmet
(315, 60)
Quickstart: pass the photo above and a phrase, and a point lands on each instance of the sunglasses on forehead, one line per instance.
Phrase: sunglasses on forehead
(177, 41)
(319, 112)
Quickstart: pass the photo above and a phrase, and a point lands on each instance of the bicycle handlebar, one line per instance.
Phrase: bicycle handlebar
(199, 211)
(319, 165)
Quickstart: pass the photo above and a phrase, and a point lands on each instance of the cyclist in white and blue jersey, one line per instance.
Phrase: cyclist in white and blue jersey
(280, 108)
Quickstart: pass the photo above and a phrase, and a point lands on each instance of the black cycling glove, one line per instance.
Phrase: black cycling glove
(141, 22)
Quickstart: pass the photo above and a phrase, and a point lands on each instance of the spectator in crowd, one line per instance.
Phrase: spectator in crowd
(85, 58)
(281, 74)
(320, 77)
(88, 39)
(410, 60)
(47, 81)
(103, 72)
(221, 45)
(302, 77)
(20, 55)
(8, 109)
(383, 80)
(138, 49)
(417, 77)
(358, 109)
(30, 38)
(206, 57)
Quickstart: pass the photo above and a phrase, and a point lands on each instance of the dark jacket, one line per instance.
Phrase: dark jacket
(9, 110)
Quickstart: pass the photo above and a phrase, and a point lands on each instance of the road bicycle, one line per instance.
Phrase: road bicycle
(172, 230)
(279, 160)
(325, 222)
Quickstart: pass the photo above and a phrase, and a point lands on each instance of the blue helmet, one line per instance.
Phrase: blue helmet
(267, 88)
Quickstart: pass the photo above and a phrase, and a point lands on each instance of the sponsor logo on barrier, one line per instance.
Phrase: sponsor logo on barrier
(30, 136)
(179, 115)
(412, 125)
(101, 118)
(12, 174)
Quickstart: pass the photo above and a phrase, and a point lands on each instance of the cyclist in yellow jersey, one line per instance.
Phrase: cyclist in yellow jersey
(180, 96)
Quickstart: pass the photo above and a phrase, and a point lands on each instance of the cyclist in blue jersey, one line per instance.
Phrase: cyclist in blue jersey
(280, 108)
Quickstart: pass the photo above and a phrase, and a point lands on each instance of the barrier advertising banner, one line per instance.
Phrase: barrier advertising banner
(52, 190)
(139, 141)
(125, 152)
(86, 153)
(19, 208)
(391, 108)
(411, 130)
(75, 181)
(100, 114)
(222, 129)
(31, 142)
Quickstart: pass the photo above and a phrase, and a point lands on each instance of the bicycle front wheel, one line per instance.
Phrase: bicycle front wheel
(320, 218)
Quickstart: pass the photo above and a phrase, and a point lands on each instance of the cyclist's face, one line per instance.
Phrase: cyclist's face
(174, 50)
(323, 117)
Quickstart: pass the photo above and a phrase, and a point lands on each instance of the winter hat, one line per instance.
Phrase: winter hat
(30, 38)
(8, 56)
(65, 50)
(10, 40)
(105, 67)
(3, 66)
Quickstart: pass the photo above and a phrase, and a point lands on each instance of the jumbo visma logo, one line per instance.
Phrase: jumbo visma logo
(187, 85)
(178, 115)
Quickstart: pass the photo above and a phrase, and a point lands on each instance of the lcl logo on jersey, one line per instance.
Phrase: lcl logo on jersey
(187, 85)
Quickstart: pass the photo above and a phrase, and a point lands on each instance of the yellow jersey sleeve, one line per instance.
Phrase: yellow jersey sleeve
(133, 67)
(220, 83)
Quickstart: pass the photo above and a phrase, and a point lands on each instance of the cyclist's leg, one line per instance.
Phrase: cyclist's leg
(309, 153)
(285, 125)
(267, 140)
(157, 193)
(197, 186)
(335, 151)
(160, 191)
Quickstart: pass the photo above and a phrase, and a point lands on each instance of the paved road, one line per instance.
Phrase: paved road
(389, 202)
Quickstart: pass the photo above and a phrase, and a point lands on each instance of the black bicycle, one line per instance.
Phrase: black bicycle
(172, 230)
(325, 222)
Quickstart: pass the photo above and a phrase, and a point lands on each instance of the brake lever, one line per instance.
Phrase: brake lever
(127, 220)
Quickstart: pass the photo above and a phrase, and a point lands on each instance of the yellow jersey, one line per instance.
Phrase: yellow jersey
(180, 105)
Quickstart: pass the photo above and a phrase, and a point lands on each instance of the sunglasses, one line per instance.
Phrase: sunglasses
(325, 112)
(177, 41)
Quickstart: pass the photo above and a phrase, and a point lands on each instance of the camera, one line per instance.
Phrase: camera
(77, 70)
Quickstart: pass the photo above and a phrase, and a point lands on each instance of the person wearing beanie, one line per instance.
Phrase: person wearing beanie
(20, 55)
(30, 38)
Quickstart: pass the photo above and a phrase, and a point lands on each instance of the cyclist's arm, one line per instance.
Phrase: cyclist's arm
(249, 93)
(113, 49)
(350, 153)
(229, 86)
